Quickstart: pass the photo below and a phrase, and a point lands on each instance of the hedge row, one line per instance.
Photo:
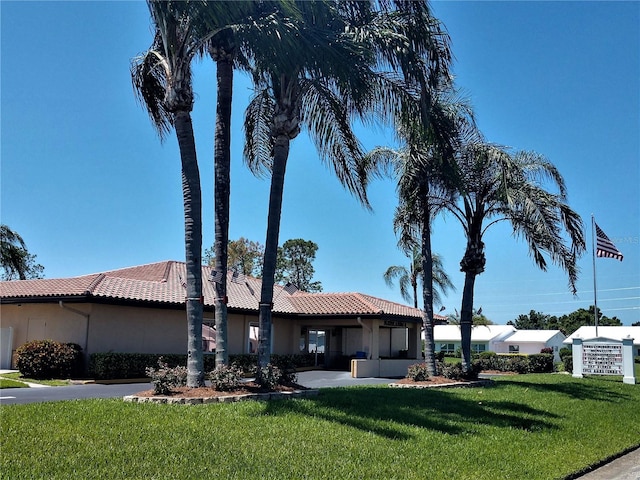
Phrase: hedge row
(519, 363)
(45, 359)
(107, 366)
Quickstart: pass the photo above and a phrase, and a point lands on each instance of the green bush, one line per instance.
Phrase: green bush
(567, 363)
(454, 371)
(107, 366)
(165, 377)
(269, 376)
(541, 363)
(565, 352)
(46, 359)
(225, 378)
(418, 372)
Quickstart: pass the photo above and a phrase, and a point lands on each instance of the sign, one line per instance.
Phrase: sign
(602, 359)
(393, 323)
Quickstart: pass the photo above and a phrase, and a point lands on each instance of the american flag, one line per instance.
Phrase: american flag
(290, 288)
(605, 247)
(238, 277)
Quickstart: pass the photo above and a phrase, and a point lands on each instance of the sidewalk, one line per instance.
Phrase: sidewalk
(31, 385)
(626, 467)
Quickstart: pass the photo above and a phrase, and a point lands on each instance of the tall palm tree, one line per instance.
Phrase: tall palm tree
(424, 165)
(15, 259)
(409, 278)
(241, 30)
(497, 185)
(162, 81)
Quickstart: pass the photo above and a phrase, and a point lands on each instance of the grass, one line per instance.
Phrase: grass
(531, 426)
(17, 376)
(6, 383)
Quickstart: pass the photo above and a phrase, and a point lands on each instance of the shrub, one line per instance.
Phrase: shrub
(454, 371)
(547, 350)
(269, 376)
(418, 372)
(541, 363)
(567, 363)
(45, 359)
(226, 378)
(105, 366)
(166, 377)
(565, 352)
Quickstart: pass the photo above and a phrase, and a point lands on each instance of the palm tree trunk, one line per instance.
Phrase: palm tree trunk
(280, 156)
(192, 199)
(466, 319)
(427, 293)
(222, 167)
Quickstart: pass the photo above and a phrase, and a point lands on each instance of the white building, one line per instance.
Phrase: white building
(532, 341)
(612, 333)
(483, 337)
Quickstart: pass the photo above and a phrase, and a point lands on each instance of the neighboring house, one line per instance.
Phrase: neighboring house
(483, 337)
(532, 341)
(142, 309)
(610, 333)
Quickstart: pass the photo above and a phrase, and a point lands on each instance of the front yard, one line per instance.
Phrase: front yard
(529, 426)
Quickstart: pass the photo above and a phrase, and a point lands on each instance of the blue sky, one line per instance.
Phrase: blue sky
(87, 183)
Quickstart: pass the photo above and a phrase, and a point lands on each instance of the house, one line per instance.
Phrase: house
(141, 309)
(616, 333)
(532, 341)
(483, 337)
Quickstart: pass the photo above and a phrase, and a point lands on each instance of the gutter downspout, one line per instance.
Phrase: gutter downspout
(86, 333)
(370, 334)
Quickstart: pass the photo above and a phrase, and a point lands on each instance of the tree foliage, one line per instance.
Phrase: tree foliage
(244, 256)
(567, 324)
(15, 260)
(295, 264)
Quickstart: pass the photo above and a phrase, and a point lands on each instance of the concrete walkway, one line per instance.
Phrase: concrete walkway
(626, 467)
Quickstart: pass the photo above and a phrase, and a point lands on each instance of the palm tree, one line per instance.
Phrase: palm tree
(408, 279)
(496, 186)
(15, 259)
(162, 81)
(241, 29)
(423, 166)
(328, 78)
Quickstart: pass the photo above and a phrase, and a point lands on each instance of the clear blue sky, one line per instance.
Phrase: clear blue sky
(89, 186)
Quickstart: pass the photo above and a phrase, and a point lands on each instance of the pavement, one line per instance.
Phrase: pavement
(624, 467)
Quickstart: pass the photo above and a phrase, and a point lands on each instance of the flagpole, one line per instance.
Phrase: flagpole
(595, 289)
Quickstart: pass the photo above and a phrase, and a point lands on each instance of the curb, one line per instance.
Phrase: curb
(223, 398)
(476, 383)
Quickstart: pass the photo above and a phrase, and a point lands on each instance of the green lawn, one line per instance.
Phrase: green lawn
(8, 383)
(526, 427)
(17, 377)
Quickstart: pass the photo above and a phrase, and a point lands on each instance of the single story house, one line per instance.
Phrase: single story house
(532, 341)
(141, 309)
(616, 333)
(483, 337)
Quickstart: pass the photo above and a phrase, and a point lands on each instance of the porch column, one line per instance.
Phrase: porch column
(627, 361)
(413, 341)
(375, 339)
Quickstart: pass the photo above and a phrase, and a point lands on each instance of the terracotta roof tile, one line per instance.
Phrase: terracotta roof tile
(162, 282)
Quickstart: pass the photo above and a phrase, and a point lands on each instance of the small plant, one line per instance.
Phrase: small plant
(164, 377)
(45, 359)
(269, 376)
(418, 372)
(547, 350)
(454, 371)
(225, 378)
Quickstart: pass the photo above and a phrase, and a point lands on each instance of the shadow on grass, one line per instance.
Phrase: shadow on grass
(388, 411)
(578, 388)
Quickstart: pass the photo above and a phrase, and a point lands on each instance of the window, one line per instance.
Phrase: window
(514, 348)
(252, 346)
(478, 347)
(208, 336)
(447, 347)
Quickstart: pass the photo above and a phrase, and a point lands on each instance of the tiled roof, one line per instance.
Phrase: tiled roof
(162, 282)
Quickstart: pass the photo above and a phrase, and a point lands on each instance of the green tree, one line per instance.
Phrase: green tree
(410, 278)
(535, 321)
(244, 256)
(497, 185)
(162, 81)
(295, 264)
(15, 260)
(571, 322)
